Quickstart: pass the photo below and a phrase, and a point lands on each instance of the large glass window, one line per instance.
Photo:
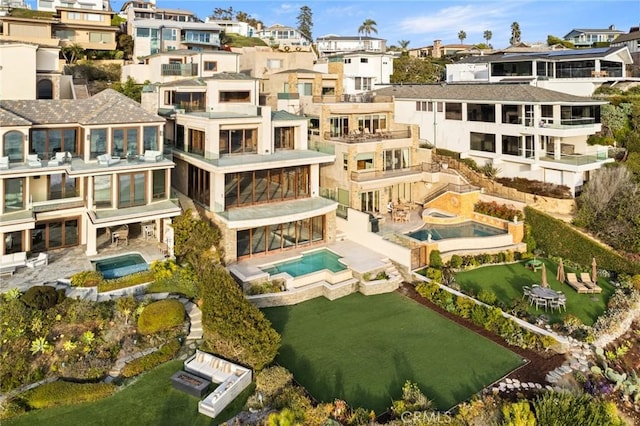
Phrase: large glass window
(364, 160)
(159, 184)
(339, 126)
(150, 137)
(453, 111)
(285, 138)
(102, 191)
(62, 186)
(54, 234)
(238, 141)
(199, 185)
(13, 146)
(483, 142)
(510, 145)
(504, 69)
(372, 122)
(13, 194)
(46, 142)
(239, 96)
(481, 112)
(511, 114)
(264, 186)
(396, 159)
(196, 141)
(125, 142)
(131, 190)
(577, 115)
(13, 242)
(98, 142)
(573, 69)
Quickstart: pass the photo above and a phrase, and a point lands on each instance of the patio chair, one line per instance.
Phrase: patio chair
(107, 160)
(572, 280)
(586, 280)
(42, 259)
(122, 235)
(152, 156)
(555, 304)
(33, 160)
(4, 163)
(539, 301)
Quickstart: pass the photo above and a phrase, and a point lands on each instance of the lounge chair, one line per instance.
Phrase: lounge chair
(152, 156)
(33, 160)
(586, 280)
(107, 160)
(42, 259)
(572, 280)
(4, 163)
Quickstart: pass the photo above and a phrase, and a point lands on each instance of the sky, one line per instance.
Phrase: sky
(422, 21)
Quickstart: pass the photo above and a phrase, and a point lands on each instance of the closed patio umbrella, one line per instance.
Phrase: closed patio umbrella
(594, 271)
(544, 276)
(560, 273)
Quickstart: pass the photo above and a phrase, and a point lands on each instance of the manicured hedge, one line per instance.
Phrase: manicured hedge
(555, 237)
(160, 316)
(147, 362)
(66, 393)
(126, 281)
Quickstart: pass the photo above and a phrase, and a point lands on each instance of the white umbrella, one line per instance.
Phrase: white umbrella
(544, 276)
(560, 273)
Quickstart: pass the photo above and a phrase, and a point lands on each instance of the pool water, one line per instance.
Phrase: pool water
(119, 266)
(469, 229)
(438, 214)
(309, 262)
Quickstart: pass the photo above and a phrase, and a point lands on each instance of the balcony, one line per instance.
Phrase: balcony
(368, 175)
(577, 159)
(180, 70)
(377, 136)
(57, 204)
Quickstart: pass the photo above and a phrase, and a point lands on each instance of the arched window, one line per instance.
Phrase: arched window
(13, 146)
(45, 89)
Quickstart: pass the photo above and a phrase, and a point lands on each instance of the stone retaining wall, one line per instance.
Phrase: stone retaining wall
(302, 294)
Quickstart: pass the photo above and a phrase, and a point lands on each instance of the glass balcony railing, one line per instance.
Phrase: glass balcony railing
(180, 70)
(577, 159)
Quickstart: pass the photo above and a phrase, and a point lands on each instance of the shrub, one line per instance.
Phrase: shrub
(494, 209)
(487, 296)
(434, 274)
(130, 280)
(160, 316)
(271, 381)
(456, 261)
(265, 287)
(435, 260)
(518, 414)
(86, 279)
(152, 360)
(171, 278)
(66, 393)
(563, 408)
(536, 187)
(42, 297)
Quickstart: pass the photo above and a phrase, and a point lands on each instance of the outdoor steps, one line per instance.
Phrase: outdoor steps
(195, 319)
(81, 91)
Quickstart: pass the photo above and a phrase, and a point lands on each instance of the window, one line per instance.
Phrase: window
(142, 32)
(98, 142)
(347, 61)
(510, 145)
(339, 126)
(483, 142)
(421, 105)
(159, 184)
(54, 234)
(150, 138)
(210, 65)
(370, 201)
(238, 141)
(453, 111)
(196, 141)
(364, 60)
(364, 161)
(13, 242)
(265, 186)
(328, 91)
(169, 97)
(440, 106)
(46, 142)
(504, 69)
(345, 161)
(481, 112)
(284, 138)
(372, 122)
(511, 114)
(199, 185)
(66, 35)
(102, 191)
(44, 89)
(169, 34)
(240, 96)
(62, 186)
(363, 83)
(396, 159)
(274, 64)
(190, 101)
(99, 37)
(13, 194)
(125, 142)
(13, 146)
(305, 89)
(131, 190)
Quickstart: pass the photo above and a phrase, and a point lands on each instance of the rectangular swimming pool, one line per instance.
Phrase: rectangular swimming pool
(309, 262)
(468, 229)
(119, 266)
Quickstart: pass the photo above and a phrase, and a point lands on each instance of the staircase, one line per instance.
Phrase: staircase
(80, 90)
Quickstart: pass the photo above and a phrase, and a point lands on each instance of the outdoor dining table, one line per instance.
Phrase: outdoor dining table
(545, 293)
(534, 264)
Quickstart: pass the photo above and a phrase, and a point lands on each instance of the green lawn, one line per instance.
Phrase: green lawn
(363, 348)
(506, 281)
(150, 400)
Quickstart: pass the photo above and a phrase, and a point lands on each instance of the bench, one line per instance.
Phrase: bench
(152, 156)
(9, 262)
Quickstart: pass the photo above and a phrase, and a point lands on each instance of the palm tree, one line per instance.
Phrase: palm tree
(462, 35)
(515, 34)
(487, 36)
(403, 44)
(367, 27)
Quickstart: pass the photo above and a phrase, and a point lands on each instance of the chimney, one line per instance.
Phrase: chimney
(437, 49)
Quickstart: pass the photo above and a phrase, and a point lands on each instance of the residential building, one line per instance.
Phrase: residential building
(439, 50)
(260, 61)
(249, 167)
(295, 90)
(585, 37)
(7, 5)
(145, 10)
(631, 41)
(234, 27)
(29, 71)
(577, 72)
(377, 159)
(53, 5)
(333, 44)
(175, 65)
(522, 130)
(90, 29)
(157, 35)
(282, 35)
(76, 168)
(360, 71)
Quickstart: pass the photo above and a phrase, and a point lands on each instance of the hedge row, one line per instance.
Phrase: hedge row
(553, 236)
(488, 317)
(147, 362)
(66, 393)
(137, 278)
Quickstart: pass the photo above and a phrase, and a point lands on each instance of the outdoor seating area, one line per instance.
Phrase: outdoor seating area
(107, 160)
(9, 262)
(585, 285)
(232, 380)
(545, 297)
(534, 264)
(119, 234)
(400, 212)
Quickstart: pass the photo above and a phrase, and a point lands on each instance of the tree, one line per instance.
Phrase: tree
(305, 22)
(515, 34)
(403, 44)
(125, 44)
(487, 36)
(553, 40)
(245, 17)
(72, 52)
(462, 35)
(220, 13)
(407, 69)
(129, 88)
(367, 27)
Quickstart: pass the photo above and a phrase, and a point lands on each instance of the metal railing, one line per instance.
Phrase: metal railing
(371, 137)
(452, 187)
(366, 175)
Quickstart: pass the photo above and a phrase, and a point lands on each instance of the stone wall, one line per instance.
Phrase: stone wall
(299, 295)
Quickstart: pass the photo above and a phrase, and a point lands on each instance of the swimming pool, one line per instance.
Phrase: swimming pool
(119, 266)
(309, 262)
(468, 229)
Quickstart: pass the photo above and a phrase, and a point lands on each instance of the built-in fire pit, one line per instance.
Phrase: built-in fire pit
(189, 383)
